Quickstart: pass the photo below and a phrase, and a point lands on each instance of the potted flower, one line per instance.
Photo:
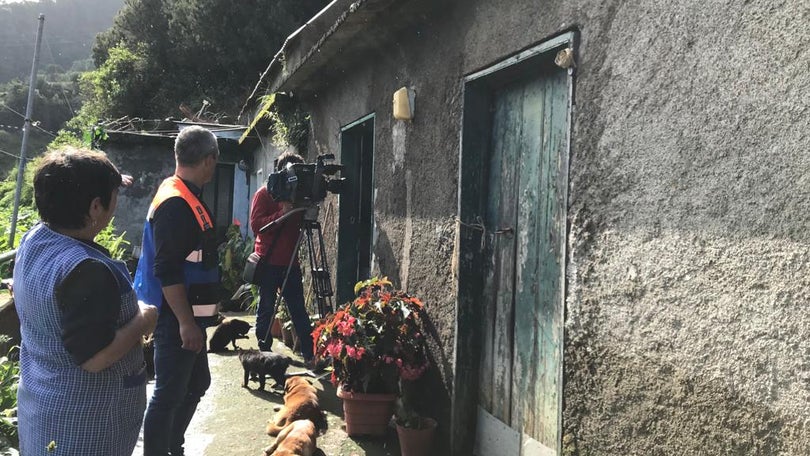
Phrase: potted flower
(282, 324)
(415, 432)
(373, 342)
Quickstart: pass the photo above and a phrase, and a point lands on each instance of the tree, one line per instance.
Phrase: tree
(199, 50)
(116, 88)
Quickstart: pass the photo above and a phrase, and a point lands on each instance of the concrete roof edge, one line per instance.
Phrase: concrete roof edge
(306, 42)
(330, 14)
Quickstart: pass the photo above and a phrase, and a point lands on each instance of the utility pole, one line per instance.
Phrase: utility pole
(29, 110)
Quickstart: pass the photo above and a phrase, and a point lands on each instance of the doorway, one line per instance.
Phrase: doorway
(218, 196)
(512, 204)
(356, 220)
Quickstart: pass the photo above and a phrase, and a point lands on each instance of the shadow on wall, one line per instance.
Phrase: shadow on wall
(387, 259)
(657, 409)
(433, 397)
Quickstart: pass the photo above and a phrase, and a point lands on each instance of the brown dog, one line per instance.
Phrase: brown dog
(300, 403)
(296, 439)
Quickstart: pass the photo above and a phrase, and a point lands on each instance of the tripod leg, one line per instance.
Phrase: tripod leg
(328, 292)
(284, 283)
(321, 282)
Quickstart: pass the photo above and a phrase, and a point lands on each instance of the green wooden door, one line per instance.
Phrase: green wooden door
(524, 221)
(356, 213)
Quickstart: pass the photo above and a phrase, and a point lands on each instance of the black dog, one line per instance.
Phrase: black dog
(264, 364)
(149, 355)
(228, 331)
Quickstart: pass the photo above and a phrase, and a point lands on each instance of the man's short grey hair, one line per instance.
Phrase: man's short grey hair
(193, 144)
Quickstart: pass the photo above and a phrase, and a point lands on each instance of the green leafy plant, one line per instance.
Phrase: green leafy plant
(374, 340)
(281, 312)
(233, 254)
(9, 381)
(114, 243)
(407, 417)
(254, 303)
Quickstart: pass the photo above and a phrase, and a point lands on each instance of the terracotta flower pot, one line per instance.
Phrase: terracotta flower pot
(275, 329)
(286, 336)
(366, 414)
(417, 442)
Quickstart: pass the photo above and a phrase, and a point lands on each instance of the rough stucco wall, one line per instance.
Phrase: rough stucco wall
(415, 179)
(148, 165)
(686, 328)
(688, 245)
(150, 160)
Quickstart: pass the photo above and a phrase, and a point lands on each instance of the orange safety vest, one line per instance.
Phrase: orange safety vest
(200, 267)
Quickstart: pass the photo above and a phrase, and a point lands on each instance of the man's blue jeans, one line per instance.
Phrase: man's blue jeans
(181, 379)
(271, 280)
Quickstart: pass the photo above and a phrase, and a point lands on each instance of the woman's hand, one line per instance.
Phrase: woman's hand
(149, 314)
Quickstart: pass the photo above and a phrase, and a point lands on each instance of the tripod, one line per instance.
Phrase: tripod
(318, 266)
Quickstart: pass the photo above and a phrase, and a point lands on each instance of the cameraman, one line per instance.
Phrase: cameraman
(276, 247)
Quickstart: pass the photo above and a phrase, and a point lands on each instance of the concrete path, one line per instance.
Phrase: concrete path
(230, 420)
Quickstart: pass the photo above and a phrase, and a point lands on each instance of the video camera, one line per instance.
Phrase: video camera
(306, 184)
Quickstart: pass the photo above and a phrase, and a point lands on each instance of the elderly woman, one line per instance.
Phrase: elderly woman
(83, 385)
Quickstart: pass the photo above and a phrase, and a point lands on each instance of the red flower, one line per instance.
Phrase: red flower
(381, 333)
(355, 353)
(334, 348)
(346, 328)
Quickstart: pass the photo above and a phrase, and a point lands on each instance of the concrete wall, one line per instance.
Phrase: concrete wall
(260, 170)
(149, 162)
(241, 199)
(686, 329)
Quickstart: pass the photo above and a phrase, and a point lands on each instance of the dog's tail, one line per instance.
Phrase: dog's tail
(275, 426)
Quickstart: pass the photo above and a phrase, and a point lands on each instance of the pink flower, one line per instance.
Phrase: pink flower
(346, 328)
(355, 353)
(412, 372)
(334, 348)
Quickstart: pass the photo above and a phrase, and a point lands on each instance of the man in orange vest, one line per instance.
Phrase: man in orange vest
(178, 272)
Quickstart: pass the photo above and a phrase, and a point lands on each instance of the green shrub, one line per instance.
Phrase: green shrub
(114, 243)
(9, 380)
(233, 254)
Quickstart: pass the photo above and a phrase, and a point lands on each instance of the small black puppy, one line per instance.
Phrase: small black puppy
(149, 355)
(228, 331)
(263, 364)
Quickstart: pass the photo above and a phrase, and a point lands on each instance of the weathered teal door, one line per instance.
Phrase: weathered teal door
(356, 213)
(523, 213)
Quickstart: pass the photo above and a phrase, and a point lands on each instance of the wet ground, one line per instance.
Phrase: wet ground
(230, 419)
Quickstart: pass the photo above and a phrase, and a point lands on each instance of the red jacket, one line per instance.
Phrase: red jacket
(264, 210)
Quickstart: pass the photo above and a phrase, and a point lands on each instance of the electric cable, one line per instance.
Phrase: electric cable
(61, 89)
(33, 123)
(9, 154)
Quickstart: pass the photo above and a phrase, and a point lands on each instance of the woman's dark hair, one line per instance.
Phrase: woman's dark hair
(66, 182)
